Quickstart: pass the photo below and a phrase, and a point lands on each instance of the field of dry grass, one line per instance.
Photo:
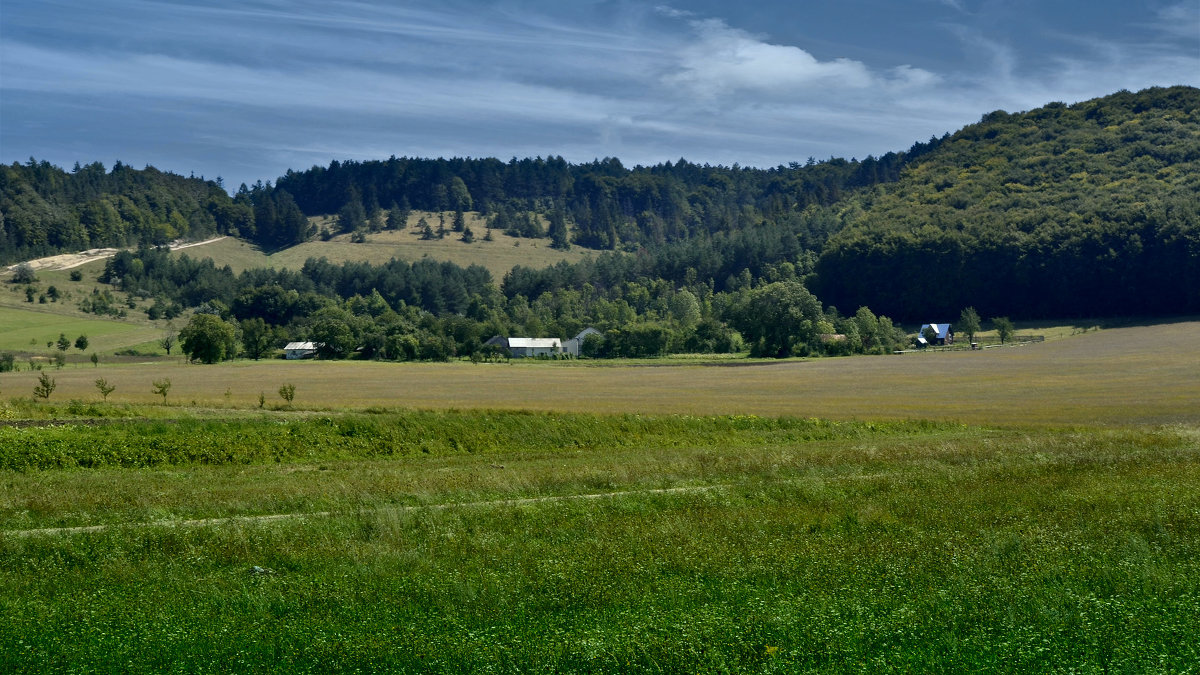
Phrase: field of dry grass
(1134, 375)
(498, 256)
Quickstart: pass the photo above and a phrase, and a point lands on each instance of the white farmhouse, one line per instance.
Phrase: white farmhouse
(575, 344)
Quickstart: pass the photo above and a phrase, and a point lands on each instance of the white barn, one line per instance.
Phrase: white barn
(521, 347)
(300, 350)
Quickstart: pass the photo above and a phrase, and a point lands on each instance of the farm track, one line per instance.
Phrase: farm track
(82, 421)
(526, 501)
(68, 261)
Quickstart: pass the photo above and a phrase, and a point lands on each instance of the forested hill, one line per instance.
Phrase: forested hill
(45, 210)
(608, 205)
(1091, 209)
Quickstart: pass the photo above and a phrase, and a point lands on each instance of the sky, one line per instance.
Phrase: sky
(248, 89)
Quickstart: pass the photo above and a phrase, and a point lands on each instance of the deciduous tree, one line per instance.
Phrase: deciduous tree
(1004, 328)
(208, 339)
(968, 323)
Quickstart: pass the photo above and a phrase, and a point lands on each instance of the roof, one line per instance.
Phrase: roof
(533, 343)
(300, 345)
(942, 329)
(586, 332)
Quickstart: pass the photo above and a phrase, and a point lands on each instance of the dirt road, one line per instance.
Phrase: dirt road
(68, 261)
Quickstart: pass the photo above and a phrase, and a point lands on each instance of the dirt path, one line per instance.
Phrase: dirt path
(202, 522)
(68, 261)
(275, 517)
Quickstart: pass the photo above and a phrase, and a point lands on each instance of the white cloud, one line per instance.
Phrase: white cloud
(722, 60)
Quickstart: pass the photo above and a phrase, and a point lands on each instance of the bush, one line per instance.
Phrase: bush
(24, 274)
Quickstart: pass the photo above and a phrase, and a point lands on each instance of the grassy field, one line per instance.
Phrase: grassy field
(28, 331)
(662, 516)
(25, 327)
(1134, 375)
(701, 545)
(498, 256)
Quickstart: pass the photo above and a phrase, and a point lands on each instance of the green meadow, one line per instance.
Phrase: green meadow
(1039, 510)
(28, 331)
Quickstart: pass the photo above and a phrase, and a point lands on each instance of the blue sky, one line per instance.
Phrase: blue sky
(249, 89)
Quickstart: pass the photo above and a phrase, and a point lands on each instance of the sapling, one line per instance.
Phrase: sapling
(45, 386)
(161, 387)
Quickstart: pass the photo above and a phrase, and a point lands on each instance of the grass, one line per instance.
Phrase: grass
(1136, 375)
(498, 256)
(26, 327)
(28, 331)
(662, 516)
(909, 548)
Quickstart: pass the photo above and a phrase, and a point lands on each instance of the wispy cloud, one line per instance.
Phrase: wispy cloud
(1181, 20)
(265, 85)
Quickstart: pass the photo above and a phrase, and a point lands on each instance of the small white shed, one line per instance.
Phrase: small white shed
(300, 350)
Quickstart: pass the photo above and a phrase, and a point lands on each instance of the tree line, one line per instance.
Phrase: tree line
(431, 310)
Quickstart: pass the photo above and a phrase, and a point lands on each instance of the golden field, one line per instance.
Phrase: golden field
(1122, 376)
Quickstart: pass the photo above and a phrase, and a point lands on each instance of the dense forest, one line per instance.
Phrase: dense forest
(1090, 209)
(47, 210)
(1084, 210)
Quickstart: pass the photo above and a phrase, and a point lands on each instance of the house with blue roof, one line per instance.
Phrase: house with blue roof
(944, 334)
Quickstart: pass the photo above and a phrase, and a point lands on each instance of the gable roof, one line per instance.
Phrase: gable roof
(533, 343)
(942, 330)
(300, 345)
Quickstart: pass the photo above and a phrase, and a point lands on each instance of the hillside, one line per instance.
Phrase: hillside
(1088, 210)
(1084, 210)
(498, 256)
(45, 210)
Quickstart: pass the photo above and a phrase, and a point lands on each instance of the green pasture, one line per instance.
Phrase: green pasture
(1038, 510)
(28, 331)
(608, 544)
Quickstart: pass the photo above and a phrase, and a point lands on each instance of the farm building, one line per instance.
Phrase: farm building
(521, 347)
(575, 344)
(300, 350)
(944, 334)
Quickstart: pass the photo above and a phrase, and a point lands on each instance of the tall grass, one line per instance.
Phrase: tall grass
(143, 444)
(936, 548)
